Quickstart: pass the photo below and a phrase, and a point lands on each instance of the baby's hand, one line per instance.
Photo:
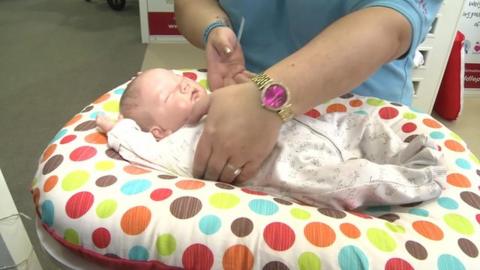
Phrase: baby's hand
(105, 123)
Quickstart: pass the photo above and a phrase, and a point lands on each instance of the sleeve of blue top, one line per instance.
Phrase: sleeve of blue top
(420, 14)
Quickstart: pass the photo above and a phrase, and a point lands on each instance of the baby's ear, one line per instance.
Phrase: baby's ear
(160, 133)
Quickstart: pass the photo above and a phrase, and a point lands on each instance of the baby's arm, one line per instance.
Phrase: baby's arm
(133, 144)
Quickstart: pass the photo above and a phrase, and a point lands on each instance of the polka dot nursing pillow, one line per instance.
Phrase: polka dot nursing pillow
(128, 217)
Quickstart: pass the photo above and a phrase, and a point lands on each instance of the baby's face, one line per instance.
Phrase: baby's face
(169, 97)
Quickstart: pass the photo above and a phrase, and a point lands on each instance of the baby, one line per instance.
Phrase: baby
(340, 160)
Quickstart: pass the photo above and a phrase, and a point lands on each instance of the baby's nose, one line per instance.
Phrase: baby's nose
(184, 89)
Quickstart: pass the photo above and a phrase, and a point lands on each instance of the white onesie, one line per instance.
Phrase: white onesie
(340, 160)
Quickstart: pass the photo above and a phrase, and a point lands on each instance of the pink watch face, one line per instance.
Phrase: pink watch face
(274, 96)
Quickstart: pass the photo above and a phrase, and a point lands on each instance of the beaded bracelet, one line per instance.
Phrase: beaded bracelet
(209, 29)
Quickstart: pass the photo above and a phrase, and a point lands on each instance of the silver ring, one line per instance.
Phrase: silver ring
(236, 172)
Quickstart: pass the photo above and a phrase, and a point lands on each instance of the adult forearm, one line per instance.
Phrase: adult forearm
(193, 17)
(343, 56)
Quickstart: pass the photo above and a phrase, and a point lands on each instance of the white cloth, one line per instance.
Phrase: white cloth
(340, 160)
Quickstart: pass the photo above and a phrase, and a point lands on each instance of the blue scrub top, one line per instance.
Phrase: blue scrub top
(274, 29)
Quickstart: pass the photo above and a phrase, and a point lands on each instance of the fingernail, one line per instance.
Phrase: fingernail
(227, 50)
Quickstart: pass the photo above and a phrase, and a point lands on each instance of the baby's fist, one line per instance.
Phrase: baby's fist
(105, 123)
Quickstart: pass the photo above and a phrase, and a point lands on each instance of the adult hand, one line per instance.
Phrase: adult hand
(238, 134)
(225, 61)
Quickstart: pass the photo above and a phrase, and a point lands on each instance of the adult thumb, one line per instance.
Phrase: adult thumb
(224, 42)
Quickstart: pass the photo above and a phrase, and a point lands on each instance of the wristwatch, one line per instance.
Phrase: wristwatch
(275, 96)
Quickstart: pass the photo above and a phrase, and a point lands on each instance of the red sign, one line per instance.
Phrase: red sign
(472, 76)
(162, 23)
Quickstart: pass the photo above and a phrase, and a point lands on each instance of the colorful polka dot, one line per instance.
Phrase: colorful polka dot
(79, 204)
(136, 186)
(138, 253)
(160, 194)
(50, 183)
(375, 102)
(352, 258)
(309, 261)
(396, 228)
(409, 115)
(135, 220)
(279, 236)
(192, 76)
(263, 207)
(71, 236)
(242, 227)
(313, 113)
(52, 164)
(454, 146)
(388, 113)
(68, 139)
(119, 91)
(275, 265)
(336, 108)
(355, 103)
(104, 165)
(468, 247)
(224, 200)
(409, 127)
(381, 240)
(350, 230)
(166, 244)
(189, 184)
(447, 203)
(419, 212)
(463, 163)
(96, 138)
(458, 180)
(210, 224)
(75, 180)
(48, 213)
(134, 170)
(398, 264)
(428, 230)
(185, 207)
(437, 135)
(300, 213)
(83, 153)
(237, 257)
(101, 237)
(429, 122)
(449, 262)
(106, 180)
(416, 249)
(470, 198)
(48, 152)
(459, 223)
(106, 208)
(319, 234)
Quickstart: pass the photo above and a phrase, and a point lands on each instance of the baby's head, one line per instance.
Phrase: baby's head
(160, 101)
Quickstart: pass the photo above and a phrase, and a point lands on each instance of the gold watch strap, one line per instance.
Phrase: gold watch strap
(261, 80)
